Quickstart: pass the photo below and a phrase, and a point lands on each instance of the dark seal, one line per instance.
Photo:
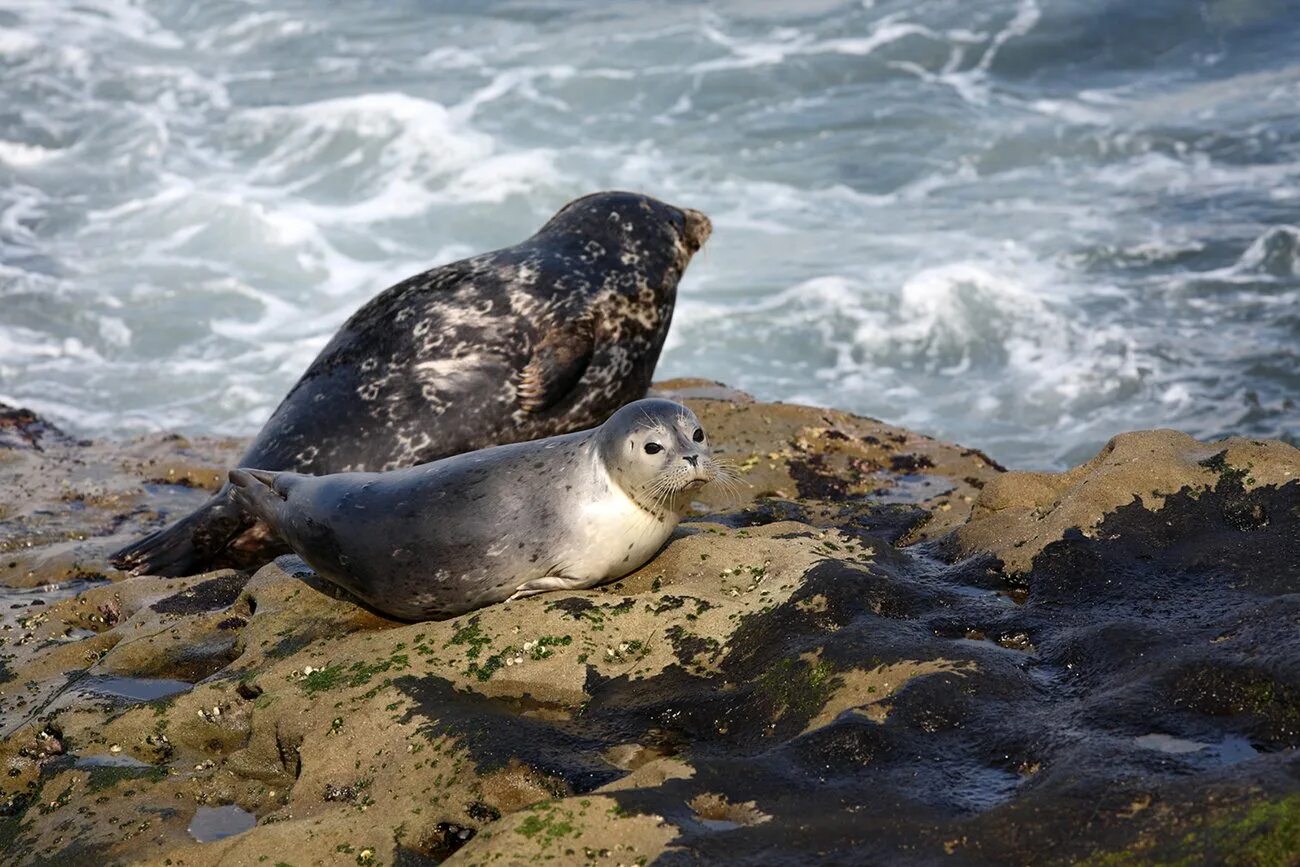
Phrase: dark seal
(543, 338)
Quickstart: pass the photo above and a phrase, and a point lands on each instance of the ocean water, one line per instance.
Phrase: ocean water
(1021, 224)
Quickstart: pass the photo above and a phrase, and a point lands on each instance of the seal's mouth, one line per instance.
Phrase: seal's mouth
(673, 487)
(698, 229)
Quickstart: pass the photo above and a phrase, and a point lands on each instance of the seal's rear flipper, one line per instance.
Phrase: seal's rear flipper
(239, 479)
(188, 546)
(261, 493)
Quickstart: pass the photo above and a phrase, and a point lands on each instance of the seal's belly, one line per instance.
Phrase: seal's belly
(604, 539)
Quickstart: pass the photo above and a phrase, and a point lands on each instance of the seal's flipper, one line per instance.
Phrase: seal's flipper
(266, 477)
(261, 493)
(558, 362)
(188, 546)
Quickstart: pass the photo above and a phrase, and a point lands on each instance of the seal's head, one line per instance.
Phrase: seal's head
(658, 453)
(642, 231)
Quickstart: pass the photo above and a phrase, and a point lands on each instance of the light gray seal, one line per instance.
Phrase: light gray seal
(447, 537)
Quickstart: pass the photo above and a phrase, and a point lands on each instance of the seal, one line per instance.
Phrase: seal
(443, 538)
(543, 338)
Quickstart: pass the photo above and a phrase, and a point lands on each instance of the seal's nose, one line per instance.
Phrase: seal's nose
(698, 228)
(693, 460)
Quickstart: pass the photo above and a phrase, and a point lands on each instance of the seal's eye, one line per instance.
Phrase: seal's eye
(653, 448)
(698, 436)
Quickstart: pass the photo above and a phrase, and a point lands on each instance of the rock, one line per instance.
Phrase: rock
(1018, 514)
(24, 429)
(67, 504)
(839, 467)
(886, 648)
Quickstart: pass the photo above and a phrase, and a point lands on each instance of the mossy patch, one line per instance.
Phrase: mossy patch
(1228, 475)
(337, 675)
(797, 688)
(107, 776)
(1266, 834)
(547, 824)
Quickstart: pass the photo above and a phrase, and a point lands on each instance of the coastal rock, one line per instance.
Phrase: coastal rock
(888, 649)
(1018, 514)
(66, 503)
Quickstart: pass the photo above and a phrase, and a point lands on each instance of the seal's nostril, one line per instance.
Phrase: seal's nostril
(693, 460)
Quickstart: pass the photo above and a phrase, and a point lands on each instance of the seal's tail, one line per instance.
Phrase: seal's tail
(187, 546)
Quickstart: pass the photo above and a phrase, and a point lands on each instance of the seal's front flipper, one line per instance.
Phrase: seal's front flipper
(558, 362)
(188, 546)
(551, 582)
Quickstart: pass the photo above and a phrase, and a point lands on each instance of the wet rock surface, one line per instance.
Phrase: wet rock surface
(1018, 514)
(890, 651)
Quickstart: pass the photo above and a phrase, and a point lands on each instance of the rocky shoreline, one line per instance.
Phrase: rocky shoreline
(890, 651)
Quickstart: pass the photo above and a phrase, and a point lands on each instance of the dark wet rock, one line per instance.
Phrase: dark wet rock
(765, 510)
(214, 594)
(814, 479)
(24, 429)
(1097, 666)
(892, 522)
(909, 463)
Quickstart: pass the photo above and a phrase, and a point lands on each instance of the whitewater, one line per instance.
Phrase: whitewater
(1025, 226)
